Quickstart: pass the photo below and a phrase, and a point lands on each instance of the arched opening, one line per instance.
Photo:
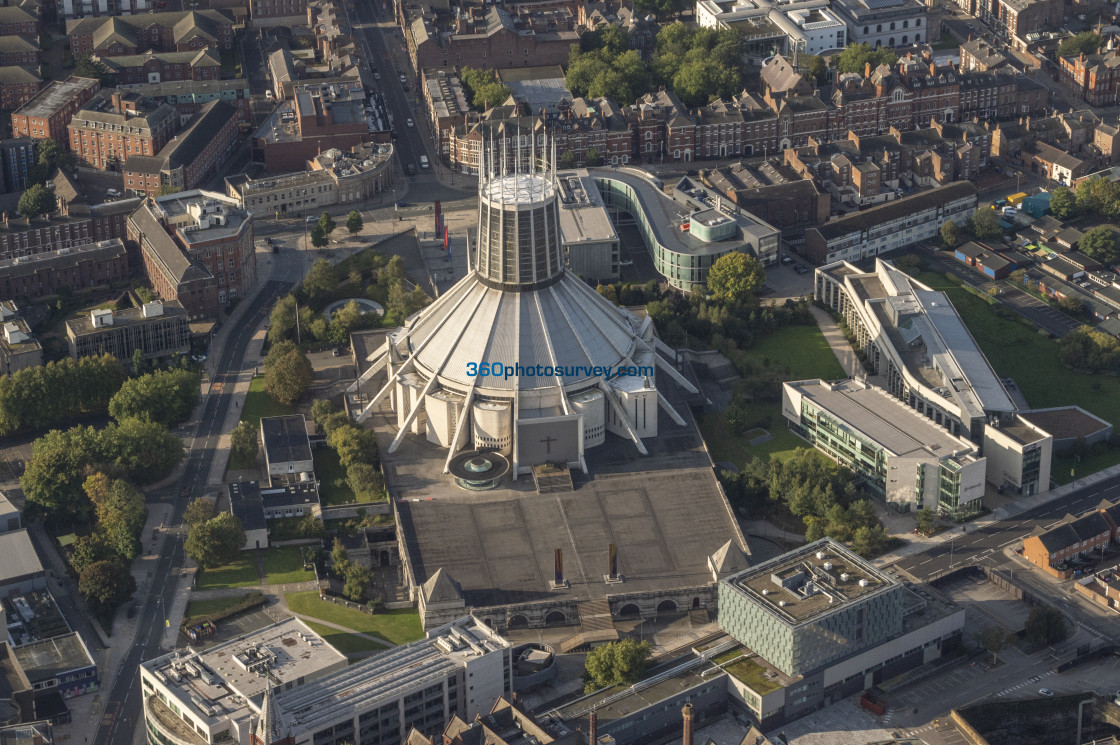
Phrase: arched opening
(723, 151)
(666, 606)
(383, 558)
(696, 602)
(748, 150)
(630, 610)
(917, 38)
(518, 622)
(890, 42)
(555, 618)
(904, 40)
(489, 622)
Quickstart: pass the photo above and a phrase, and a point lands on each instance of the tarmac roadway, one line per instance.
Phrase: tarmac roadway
(123, 712)
(984, 546)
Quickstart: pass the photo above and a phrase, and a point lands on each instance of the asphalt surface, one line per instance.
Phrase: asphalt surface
(123, 712)
(984, 546)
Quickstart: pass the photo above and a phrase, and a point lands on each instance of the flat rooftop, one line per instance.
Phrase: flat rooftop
(499, 545)
(886, 420)
(176, 209)
(49, 658)
(55, 96)
(285, 438)
(1021, 432)
(1066, 422)
(20, 559)
(812, 581)
(83, 325)
(363, 685)
(583, 218)
(289, 650)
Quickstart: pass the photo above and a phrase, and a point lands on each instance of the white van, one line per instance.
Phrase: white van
(423, 161)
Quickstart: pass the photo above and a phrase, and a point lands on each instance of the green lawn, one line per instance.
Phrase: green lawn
(1018, 352)
(284, 564)
(239, 573)
(333, 488)
(805, 353)
(197, 608)
(259, 404)
(747, 671)
(396, 626)
(344, 642)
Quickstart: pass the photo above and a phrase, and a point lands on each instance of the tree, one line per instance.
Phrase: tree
(1085, 348)
(321, 280)
(356, 582)
(618, 663)
(659, 8)
(282, 321)
(143, 451)
(137, 362)
(55, 393)
(702, 79)
(1086, 42)
(951, 234)
(346, 319)
(199, 511)
(87, 67)
(735, 277)
(1075, 306)
(926, 522)
(737, 415)
(353, 444)
(319, 237)
(593, 157)
(321, 408)
(243, 442)
(1101, 243)
(287, 375)
(1045, 625)
(815, 66)
(993, 639)
(984, 224)
(88, 549)
(365, 481)
(354, 224)
(37, 200)
(52, 481)
(870, 541)
(856, 57)
(165, 396)
(1063, 203)
(326, 222)
(216, 541)
(340, 559)
(482, 88)
(1019, 276)
(105, 585)
(51, 156)
(120, 513)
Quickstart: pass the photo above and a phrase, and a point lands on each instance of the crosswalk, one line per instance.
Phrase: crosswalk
(1024, 684)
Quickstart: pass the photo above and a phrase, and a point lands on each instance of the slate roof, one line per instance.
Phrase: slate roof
(1074, 530)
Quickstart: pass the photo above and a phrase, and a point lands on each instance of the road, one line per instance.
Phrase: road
(984, 546)
(123, 710)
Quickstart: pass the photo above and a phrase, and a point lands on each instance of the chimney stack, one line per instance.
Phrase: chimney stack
(593, 729)
(686, 716)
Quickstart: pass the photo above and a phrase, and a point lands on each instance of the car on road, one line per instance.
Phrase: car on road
(1045, 692)
(402, 205)
(787, 260)
(626, 262)
(408, 123)
(268, 95)
(376, 75)
(411, 169)
(801, 269)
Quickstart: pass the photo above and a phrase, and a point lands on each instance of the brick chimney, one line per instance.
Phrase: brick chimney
(593, 729)
(686, 717)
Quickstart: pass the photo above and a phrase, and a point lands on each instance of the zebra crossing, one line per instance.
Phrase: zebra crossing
(1024, 684)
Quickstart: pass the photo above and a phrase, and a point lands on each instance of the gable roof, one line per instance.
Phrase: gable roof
(1073, 530)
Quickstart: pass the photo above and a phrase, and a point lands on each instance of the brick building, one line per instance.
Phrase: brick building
(276, 8)
(196, 247)
(980, 56)
(1010, 18)
(1094, 78)
(18, 85)
(17, 50)
(1073, 538)
(315, 121)
(493, 37)
(16, 20)
(46, 116)
(115, 125)
(163, 67)
(184, 31)
(64, 269)
(191, 157)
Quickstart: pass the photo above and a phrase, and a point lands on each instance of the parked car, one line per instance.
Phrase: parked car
(626, 262)
(338, 352)
(1045, 692)
(268, 95)
(113, 192)
(787, 260)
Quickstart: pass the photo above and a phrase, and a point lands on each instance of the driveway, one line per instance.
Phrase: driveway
(1032, 308)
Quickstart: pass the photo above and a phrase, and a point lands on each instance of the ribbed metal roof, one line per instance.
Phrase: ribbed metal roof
(566, 324)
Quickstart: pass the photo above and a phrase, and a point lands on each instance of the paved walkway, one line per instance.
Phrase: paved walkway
(845, 355)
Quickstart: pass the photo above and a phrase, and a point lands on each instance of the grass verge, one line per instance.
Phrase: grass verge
(239, 573)
(259, 404)
(284, 564)
(396, 626)
(344, 642)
